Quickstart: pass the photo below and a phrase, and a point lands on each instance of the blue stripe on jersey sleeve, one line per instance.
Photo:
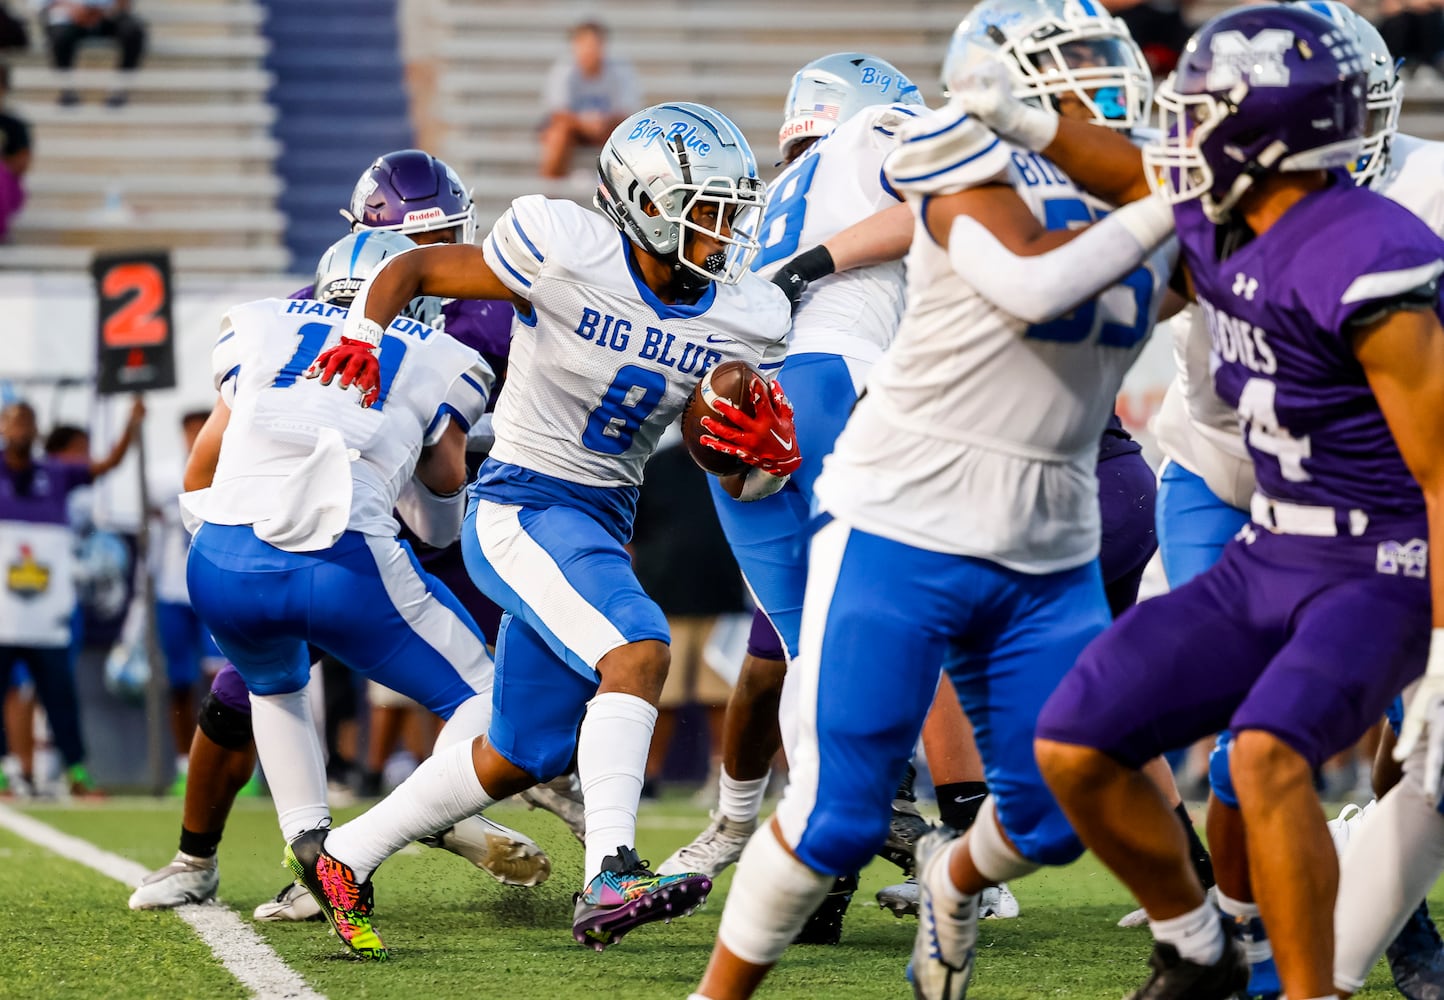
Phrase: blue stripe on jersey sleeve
(516, 224)
(226, 338)
(528, 318)
(952, 166)
(474, 384)
(496, 249)
(942, 131)
(236, 370)
(882, 179)
(769, 367)
(443, 411)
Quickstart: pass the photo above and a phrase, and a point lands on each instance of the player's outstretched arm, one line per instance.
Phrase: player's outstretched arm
(1403, 357)
(997, 245)
(1102, 161)
(881, 237)
(433, 502)
(453, 271)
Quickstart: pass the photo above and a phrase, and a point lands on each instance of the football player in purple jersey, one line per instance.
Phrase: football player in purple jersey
(1322, 304)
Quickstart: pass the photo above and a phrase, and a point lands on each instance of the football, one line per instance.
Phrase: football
(728, 381)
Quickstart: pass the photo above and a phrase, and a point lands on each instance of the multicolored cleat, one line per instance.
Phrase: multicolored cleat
(346, 903)
(626, 894)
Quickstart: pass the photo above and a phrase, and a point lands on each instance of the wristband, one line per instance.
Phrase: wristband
(813, 264)
(367, 331)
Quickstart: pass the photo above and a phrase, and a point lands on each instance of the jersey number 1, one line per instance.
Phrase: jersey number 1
(313, 337)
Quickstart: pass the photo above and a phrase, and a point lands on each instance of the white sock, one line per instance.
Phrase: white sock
(441, 792)
(1198, 934)
(1254, 949)
(1393, 859)
(940, 880)
(772, 896)
(471, 719)
(740, 801)
(293, 759)
(611, 761)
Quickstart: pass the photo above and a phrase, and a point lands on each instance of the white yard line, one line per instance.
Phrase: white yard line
(233, 941)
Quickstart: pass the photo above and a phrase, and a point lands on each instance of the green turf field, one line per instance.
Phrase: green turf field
(455, 933)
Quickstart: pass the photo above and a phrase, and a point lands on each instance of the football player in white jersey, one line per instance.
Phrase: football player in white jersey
(290, 504)
(619, 316)
(964, 527)
(840, 121)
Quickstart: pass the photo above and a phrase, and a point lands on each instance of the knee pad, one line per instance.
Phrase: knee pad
(1220, 772)
(223, 725)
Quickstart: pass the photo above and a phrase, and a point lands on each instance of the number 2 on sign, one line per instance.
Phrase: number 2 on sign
(137, 323)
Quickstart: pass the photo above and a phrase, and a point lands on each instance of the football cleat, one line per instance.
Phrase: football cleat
(901, 899)
(1416, 958)
(562, 797)
(906, 827)
(1346, 824)
(626, 894)
(346, 903)
(715, 850)
(80, 784)
(942, 958)
(186, 879)
(292, 904)
(1176, 978)
(824, 925)
(997, 902)
(510, 857)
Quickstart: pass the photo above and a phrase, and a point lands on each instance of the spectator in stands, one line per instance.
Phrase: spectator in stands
(68, 22)
(1414, 32)
(684, 563)
(14, 157)
(586, 97)
(37, 557)
(1159, 28)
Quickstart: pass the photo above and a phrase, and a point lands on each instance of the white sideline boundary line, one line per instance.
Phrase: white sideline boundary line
(231, 940)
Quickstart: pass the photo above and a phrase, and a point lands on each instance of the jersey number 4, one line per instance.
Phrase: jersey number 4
(313, 338)
(1080, 324)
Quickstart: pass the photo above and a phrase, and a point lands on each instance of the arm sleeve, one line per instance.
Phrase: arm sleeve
(516, 247)
(465, 400)
(1043, 287)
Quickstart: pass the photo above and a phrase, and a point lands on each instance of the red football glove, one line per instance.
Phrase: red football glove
(767, 441)
(355, 361)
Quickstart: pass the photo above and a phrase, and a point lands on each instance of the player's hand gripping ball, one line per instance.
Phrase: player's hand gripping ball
(735, 420)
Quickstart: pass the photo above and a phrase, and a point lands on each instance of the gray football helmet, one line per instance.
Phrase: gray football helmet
(828, 91)
(1386, 88)
(673, 158)
(1053, 48)
(346, 265)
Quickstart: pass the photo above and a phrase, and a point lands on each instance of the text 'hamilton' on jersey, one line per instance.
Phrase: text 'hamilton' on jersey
(835, 184)
(600, 366)
(300, 460)
(979, 432)
(1278, 311)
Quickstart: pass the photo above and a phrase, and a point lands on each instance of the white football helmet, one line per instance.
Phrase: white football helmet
(346, 265)
(674, 158)
(1057, 47)
(828, 91)
(1386, 88)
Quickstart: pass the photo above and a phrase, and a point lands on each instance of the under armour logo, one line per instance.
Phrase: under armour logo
(1258, 61)
(1410, 558)
(1244, 286)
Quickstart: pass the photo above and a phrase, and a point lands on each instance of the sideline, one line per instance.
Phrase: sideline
(231, 940)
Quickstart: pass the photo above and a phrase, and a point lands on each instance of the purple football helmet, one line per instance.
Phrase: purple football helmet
(1258, 90)
(409, 192)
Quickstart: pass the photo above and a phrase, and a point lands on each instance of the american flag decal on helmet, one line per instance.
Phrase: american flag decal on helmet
(826, 110)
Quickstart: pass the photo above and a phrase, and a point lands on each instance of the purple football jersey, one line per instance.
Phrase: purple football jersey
(1277, 310)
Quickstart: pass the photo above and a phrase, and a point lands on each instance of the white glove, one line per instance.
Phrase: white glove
(987, 92)
(1425, 716)
(945, 151)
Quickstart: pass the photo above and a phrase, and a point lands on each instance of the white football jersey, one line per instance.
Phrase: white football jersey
(275, 465)
(835, 184)
(1201, 432)
(601, 366)
(978, 434)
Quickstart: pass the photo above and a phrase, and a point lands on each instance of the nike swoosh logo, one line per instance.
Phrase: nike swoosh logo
(785, 442)
(960, 800)
(712, 338)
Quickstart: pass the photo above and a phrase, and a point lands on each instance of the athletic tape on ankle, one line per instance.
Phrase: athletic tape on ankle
(992, 855)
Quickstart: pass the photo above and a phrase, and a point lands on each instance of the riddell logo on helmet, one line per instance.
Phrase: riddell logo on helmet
(424, 215)
(794, 129)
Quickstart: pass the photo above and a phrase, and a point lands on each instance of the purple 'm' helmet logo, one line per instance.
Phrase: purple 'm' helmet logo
(411, 191)
(1260, 89)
